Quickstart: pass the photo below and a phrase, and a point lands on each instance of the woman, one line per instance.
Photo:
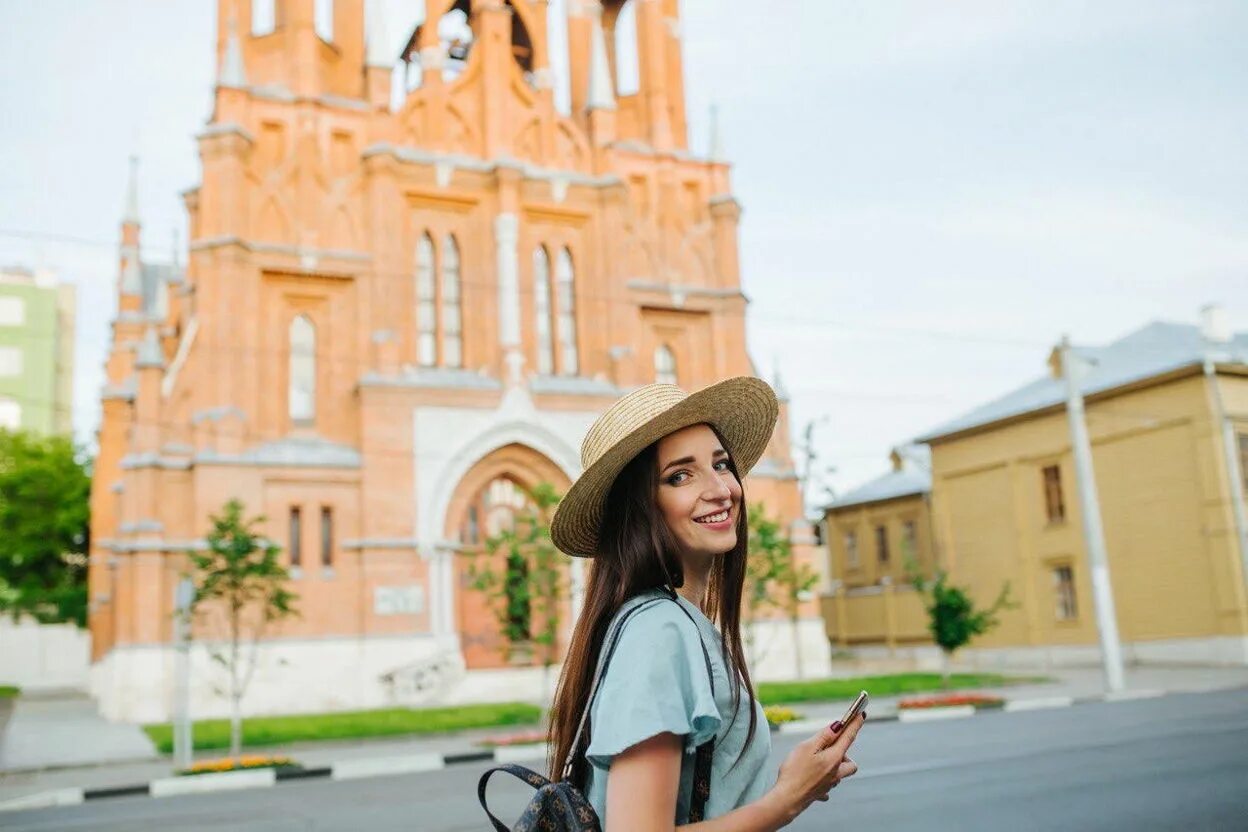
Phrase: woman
(660, 509)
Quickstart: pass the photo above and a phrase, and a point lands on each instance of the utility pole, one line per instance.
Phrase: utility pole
(1093, 532)
(183, 594)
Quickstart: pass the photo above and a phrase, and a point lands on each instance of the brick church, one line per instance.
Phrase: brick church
(411, 283)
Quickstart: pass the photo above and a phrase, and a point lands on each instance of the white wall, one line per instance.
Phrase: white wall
(43, 656)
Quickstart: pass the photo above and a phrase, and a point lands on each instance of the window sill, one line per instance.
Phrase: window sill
(328, 573)
(296, 572)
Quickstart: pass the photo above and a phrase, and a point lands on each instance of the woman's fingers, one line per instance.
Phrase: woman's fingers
(847, 768)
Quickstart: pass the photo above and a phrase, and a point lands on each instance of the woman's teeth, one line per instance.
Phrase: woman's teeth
(713, 518)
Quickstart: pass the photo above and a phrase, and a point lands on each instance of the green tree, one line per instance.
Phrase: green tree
(522, 576)
(765, 565)
(45, 489)
(774, 580)
(953, 619)
(240, 589)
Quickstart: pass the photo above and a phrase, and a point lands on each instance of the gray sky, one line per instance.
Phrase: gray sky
(933, 192)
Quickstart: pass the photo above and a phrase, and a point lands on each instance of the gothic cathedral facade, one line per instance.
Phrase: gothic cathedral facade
(412, 282)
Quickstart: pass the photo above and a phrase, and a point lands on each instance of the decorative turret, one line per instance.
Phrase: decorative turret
(130, 282)
(378, 61)
(232, 74)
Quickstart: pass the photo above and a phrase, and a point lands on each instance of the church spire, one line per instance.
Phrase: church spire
(131, 215)
(715, 150)
(232, 72)
(601, 95)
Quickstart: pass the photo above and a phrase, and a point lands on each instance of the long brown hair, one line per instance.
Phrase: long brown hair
(637, 552)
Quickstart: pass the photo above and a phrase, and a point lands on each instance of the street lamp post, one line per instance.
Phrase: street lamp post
(1093, 532)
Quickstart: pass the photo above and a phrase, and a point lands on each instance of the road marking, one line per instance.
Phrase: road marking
(516, 753)
(933, 714)
(382, 766)
(1128, 695)
(1040, 703)
(221, 781)
(43, 800)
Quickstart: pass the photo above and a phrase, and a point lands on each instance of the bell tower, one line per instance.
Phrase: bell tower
(643, 61)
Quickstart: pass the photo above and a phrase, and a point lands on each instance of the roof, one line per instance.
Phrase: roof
(1156, 349)
(911, 476)
(155, 277)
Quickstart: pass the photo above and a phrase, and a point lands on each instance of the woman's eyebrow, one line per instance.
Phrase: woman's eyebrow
(685, 460)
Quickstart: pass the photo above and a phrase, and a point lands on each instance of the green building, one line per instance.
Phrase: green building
(36, 352)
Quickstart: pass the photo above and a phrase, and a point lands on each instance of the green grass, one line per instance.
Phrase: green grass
(278, 730)
(9, 692)
(819, 690)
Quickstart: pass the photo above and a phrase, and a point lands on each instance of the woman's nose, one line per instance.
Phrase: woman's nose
(718, 490)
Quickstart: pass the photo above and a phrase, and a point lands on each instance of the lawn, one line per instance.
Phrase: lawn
(278, 730)
(8, 691)
(820, 690)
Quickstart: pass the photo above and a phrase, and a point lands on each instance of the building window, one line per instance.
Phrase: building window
(566, 324)
(296, 536)
(1054, 506)
(10, 414)
(1243, 459)
(1064, 592)
(881, 544)
(664, 364)
(627, 75)
(302, 393)
(10, 362)
(909, 541)
(452, 324)
(263, 17)
(541, 306)
(426, 304)
(327, 536)
(12, 311)
(851, 549)
(323, 19)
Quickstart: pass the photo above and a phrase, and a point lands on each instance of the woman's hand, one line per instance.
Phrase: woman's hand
(814, 768)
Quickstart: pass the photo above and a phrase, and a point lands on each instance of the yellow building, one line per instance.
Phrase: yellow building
(872, 532)
(1167, 414)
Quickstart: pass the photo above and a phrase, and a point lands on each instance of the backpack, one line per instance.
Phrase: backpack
(560, 806)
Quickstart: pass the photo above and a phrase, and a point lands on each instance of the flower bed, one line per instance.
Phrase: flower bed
(777, 715)
(521, 738)
(955, 700)
(244, 763)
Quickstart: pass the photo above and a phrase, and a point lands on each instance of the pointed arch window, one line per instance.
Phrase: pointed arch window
(426, 304)
(452, 323)
(541, 303)
(624, 40)
(323, 19)
(565, 300)
(263, 17)
(664, 364)
(301, 396)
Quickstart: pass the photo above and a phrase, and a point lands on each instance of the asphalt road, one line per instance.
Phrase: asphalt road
(1179, 762)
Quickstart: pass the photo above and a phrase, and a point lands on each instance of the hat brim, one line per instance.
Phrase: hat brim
(743, 409)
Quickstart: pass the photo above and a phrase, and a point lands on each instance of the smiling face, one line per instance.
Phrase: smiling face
(698, 494)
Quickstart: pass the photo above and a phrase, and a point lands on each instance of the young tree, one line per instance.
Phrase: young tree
(774, 579)
(240, 589)
(953, 619)
(769, 556)
(521, 574)
(44, 510)
(796, 579)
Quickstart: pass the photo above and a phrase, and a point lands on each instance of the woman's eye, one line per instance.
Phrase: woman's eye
(674, 479)
(724, 463)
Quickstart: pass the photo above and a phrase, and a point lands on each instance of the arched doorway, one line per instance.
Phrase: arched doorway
(495, 494)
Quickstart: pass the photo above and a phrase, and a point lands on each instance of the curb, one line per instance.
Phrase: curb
(430, 761)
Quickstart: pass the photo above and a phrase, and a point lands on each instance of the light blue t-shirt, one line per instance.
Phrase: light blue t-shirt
(657, 682)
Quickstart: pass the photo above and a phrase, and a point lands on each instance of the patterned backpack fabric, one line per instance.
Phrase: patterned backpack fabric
(559, 806)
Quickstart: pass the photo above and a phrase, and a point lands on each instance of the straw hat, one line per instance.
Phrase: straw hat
(742, 409)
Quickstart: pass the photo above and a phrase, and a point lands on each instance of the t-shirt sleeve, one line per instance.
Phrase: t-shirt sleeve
(656, 682)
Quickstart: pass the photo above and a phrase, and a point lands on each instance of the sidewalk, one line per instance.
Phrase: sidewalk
(139, 767)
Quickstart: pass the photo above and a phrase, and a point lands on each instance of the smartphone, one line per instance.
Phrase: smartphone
(859, 705)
